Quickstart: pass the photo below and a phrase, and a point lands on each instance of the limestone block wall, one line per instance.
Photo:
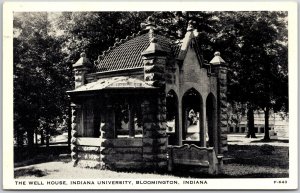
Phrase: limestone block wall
(122, 154)
(88, 152)
(154, 71)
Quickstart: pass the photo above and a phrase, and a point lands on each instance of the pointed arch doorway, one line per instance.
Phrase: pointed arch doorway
(192, 118)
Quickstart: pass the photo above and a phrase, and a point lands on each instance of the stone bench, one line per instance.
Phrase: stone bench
(201, 159)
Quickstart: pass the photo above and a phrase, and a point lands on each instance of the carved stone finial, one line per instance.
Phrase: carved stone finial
(150, 23)
(191, 25)
(83, 61)
(217, 53)
(217, 60)
(150, 19)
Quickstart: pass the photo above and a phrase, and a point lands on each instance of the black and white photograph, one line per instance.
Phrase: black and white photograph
(186, 97)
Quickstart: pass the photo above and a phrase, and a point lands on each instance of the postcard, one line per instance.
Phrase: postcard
(150, 95)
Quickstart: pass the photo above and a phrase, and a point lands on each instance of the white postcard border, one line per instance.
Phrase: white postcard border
(268, 183)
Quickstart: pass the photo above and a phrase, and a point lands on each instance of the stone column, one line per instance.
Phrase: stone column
(154, 134)
(75, 120)
(154, 107)
(222, 109)
(179, 133)
(108, 130)
(80, 68)
(203, 128)
(131, 128)
(221, 68)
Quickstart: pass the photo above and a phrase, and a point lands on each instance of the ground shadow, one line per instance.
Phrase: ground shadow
(270, 140)
(254, 175)
(31, 171)
(258, 156)
(234, 141)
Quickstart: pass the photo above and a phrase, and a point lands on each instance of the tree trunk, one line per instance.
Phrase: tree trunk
(267, 136)
(20, 138)
(42, 137)
(267, 100)
(30, 137)
(36, 137)
(47, 137)
(250, 123)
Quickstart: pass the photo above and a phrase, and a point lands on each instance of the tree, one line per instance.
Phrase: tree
(94, 32)
(257, 50)
(40, 76)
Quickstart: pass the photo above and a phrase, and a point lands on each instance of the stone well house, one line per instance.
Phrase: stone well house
(144, 95)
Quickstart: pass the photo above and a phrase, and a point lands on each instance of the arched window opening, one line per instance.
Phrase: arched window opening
(192, 112)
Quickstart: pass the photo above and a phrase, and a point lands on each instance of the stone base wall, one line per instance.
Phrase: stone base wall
(88, 157)
(122, 154)
(86, 152)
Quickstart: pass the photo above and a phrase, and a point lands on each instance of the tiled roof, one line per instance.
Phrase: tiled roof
(127, 55)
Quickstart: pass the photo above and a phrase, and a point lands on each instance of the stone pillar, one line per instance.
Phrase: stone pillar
(154, 134)
(108, 130)
(154, 108)
(107, 134)
(131, 121)
(221, 68)
(203, 127)
(222, 109)
(179, 133)
(75, 120)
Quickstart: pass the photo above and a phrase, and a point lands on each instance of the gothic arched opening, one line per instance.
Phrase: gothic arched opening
(192, 117)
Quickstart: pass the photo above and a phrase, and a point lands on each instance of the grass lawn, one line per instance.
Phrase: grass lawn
(248, 161)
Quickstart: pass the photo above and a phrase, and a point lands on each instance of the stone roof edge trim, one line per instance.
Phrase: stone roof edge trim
(116, 71)
(182, 53)
(71, 92)
(186, 41)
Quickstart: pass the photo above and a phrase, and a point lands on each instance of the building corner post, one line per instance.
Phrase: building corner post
(221, 71)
